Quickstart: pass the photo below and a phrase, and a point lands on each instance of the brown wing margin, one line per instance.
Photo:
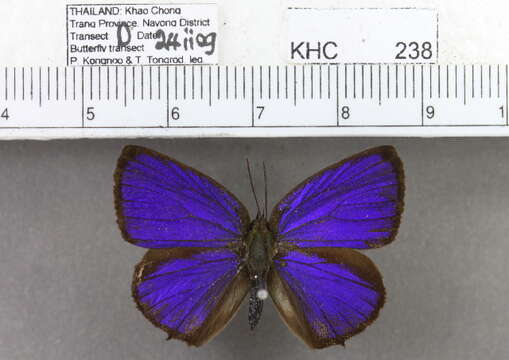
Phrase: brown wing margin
(219, 317)
(390, 155)
(128, 154)
(290, 308)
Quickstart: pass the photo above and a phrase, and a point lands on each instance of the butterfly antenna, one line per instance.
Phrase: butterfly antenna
(265, 181)
(252, 185)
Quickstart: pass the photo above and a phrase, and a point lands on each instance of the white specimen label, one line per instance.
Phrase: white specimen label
(369, 35)
(142, 34)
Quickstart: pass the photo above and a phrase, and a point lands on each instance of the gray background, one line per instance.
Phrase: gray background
(65, 272)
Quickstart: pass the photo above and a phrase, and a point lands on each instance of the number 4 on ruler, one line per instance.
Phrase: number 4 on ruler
(5, 114)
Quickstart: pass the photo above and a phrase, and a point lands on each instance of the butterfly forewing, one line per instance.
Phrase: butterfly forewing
(191, 293)
(324, 295)
(162, 203)
(356, 203)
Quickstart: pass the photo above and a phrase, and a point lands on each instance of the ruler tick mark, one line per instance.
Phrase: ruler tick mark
(397, 80)
(473, 82)
(328, 81)
(388, 82)
(99, 85)
(91, 85)
(201, 82)
(354, 70)
(286, 81)
(422, 95)
(6, 83)
(260, 85)
(108, 83)
(125, 86)
(73, 83)
(244, 82)
(371, 81)
(227, 82)
(506, 95)
(312, 81)
(346, 81)
(150, 82)
(167, 97)
(294, 85)
(405, 79)
(116, 83)
(192, 81)
(48, 74)
(31, 83)
(362, 81)
(235, 81)
(23, 83)
(430, 81)
(439, 81)
(498, 80)
(413, 81)
(175, 76)
(303, 67)
(489, 81)
(320, 81)
(337, 95)
(14, 82)
(57, 82)
(82, 97)
(142, 74)
(481, 80)
(447, 80)
(185, 81)
(252, 95)
(456, 81)
(278, 80)
(269, 84)
(40, 87)
(464, 84)
(210, 86)
(159, 83)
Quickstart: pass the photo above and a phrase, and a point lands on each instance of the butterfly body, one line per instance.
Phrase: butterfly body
(205, 254)
(259, 259)
(260, 249)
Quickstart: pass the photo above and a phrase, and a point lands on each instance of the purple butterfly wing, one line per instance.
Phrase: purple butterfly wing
(190, 293)
(356, 203)
(326, 295)
(162, 203)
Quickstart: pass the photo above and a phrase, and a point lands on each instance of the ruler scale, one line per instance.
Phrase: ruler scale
(279, 100)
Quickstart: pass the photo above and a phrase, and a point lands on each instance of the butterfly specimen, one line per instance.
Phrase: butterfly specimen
(206, 254)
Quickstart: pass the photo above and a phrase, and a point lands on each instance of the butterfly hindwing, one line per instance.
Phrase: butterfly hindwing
(162, 203)
(356, 203)
(326, 295)
(190, 293)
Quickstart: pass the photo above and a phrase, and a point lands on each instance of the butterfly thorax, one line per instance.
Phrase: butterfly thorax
(260, 251)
